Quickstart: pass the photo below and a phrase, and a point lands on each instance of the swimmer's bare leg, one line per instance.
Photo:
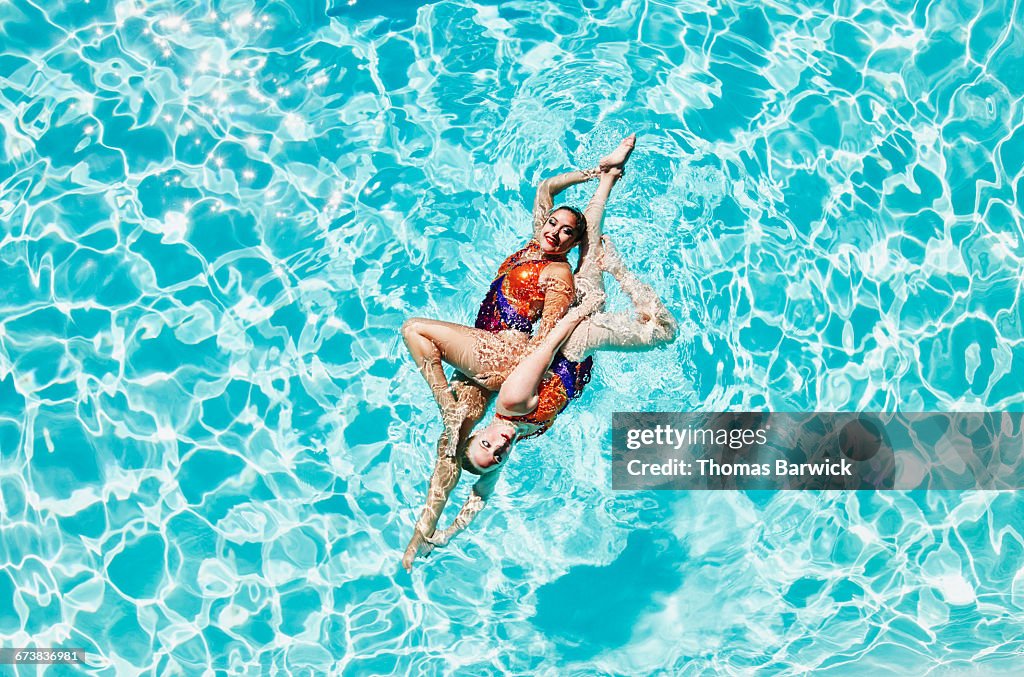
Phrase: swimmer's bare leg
(431, 341)
(427, 356)
(473, 400)
(619, 156)
(651, 325)
(589, 276)
(646, 302)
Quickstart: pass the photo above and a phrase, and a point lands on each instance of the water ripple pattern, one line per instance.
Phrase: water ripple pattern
(215, 217)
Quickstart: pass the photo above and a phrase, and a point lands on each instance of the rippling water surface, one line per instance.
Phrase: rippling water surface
(215, 217)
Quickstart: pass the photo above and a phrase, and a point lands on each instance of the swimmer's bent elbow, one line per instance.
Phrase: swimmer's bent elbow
(515, 406)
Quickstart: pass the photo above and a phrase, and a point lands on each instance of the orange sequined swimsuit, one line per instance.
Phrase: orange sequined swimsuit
(512, 303)
(515, 299)
(563, 382)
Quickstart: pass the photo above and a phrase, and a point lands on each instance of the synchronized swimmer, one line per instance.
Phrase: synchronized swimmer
(529, 344)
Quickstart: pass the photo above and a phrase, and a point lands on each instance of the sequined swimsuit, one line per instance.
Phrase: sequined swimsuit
(564, 382)
(515, 298)
(512, 303)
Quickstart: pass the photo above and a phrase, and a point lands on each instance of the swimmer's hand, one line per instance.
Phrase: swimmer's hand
(418, 547)
(440, 539)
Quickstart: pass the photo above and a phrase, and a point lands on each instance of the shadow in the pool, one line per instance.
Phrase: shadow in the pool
(594, 608)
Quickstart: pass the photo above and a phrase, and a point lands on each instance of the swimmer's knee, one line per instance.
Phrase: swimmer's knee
(412, 327)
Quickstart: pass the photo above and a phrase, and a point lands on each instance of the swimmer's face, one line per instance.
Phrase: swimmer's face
(490, 446)
(559, 233)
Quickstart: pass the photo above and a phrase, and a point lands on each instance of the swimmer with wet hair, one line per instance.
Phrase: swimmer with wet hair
(532, 290)
(537, 389)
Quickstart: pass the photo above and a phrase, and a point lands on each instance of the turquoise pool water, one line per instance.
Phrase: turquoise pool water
(216, 217)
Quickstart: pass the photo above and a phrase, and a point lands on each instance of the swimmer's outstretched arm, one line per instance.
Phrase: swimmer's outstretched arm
(476, 501)
(447, 469)
(550, 187)
(518, 394)
(446, 475)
